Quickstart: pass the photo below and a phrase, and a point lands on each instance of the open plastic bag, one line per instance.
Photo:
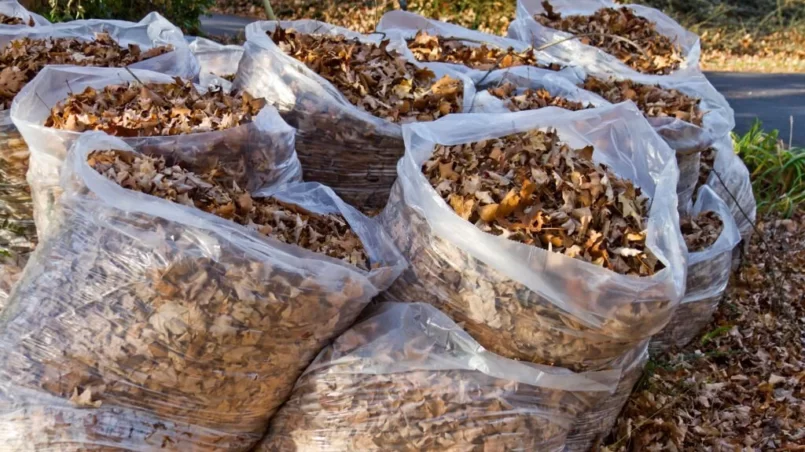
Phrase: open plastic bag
(12, 8)
(218, 62)
(339, 144)
(574, 52)
(408, 378)
(405, 25)
(143, 324)
(531, 78)
(255, 155)
(521, 301)
(708, 275)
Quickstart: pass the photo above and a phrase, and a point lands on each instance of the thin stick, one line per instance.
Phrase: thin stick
(269, 10)
(42, 100)
(135, 76)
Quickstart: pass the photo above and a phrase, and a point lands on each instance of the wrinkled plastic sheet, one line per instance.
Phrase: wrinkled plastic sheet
(708, 275)
(409, 378)
(142, 324)
(339, 144)
(521, 301)
(216, 61)
(255, 155)
(573, 52)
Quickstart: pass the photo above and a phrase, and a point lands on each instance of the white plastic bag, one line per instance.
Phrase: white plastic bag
(258, 154)
(531, 78)
(408, 378)
(521, 301)
(708, 275)
(12, 8)
(405, 25)
(734, 186)
(573, 52)
(339, 144)
(143, 324)
(217, 61)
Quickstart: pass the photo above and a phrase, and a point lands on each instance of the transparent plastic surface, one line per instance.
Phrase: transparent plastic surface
(521, 301)
(689, 165)
(708, 275)
(255, 155)
(408, 378)
(143, 324)
(734, 186)
(12, 8)
(575, 52)
(339, 144)
(405, 25)
(532, 78)
(217, 61)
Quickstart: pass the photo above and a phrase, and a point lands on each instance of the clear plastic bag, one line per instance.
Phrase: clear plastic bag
(405, 25)
(409, 378)
(572, 51)
(12, 8)
(532, 78)
(218, 62)
(708, 275)
(143, 324)
(521, 301)
(339, 144)
(254, 155)
(734, 186)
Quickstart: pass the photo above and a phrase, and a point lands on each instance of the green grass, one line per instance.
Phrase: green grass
(778, 172)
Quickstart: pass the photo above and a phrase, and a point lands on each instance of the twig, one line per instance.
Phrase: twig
(70, 88)
(134, 75)
(776, 304)
(42, 100)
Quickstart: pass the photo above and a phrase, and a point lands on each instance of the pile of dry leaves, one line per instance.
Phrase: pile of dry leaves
(654, 101)
(373, 78)
(702, 231)
(741, 385)
(620, 32)
(486, 56)
(22, 59)
(326, 234)
(533, 99)
(11, 20)
(153, 109)
(508, 187)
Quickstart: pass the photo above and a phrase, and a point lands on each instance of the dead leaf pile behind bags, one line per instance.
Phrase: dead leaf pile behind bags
(258, 154)
(339, 144)
(574, 52)
(218, 62)
(12, 8)
(144, 324)
(531, 78)
(405, 25)
(408, 378)
(521, 301)
(708, 275)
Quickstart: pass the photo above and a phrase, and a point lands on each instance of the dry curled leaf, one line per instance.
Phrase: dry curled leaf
(486, 56)
(22, 59)
(533, 99)
(702, 231)
(153, 109)
(653, 100)
(289, 223)
(632, 39)
(532, 188)
(11, 20)
(374, 78)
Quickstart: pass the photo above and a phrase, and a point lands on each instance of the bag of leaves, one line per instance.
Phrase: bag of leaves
(346, 94)
(218, 62)
(158, 115)
(528, 88)
(408, 378)
(607, 37)
(473, 53)
(153, 43)
(711, 236)
(170, 308)
(551, 235)
(14, 15)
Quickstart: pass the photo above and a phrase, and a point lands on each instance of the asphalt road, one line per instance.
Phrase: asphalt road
(775, 99)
